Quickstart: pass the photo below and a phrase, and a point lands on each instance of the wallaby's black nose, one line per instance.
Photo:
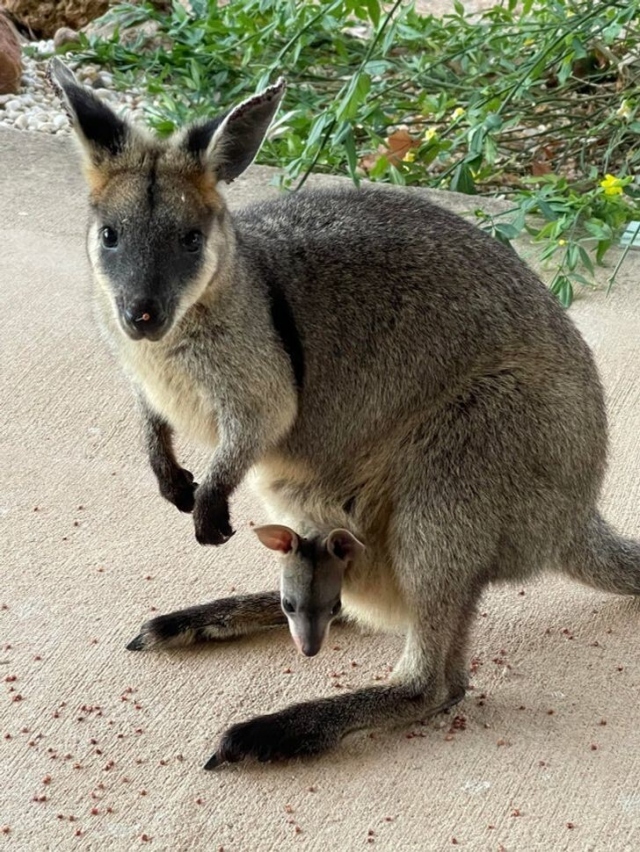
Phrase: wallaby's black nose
(144, 317)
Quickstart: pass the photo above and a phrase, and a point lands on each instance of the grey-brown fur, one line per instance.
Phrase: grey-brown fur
(383, 365)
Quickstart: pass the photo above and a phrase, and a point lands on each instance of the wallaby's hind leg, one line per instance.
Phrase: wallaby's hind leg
(456, 664)
(315, 726)
(418, 688)
(599, 557)
(221, 619)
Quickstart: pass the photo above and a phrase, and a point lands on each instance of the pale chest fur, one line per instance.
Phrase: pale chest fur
(167, 384)
(172, 391)
(372, 597)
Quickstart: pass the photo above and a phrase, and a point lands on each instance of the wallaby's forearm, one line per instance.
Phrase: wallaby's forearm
(248, 427)
(176, 484)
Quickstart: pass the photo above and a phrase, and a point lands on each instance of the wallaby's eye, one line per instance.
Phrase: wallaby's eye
(336, 608)
(287, 606)
(109, 237)
(192, 241)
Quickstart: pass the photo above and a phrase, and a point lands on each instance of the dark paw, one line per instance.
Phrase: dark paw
(180, 490)
(211, 519)
(278, 736)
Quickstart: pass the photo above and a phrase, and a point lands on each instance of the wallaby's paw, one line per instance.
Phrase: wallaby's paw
(278, 736)
(180, 490)
(211, 519)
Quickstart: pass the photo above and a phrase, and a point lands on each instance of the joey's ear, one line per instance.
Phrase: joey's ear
(229, 143)
(277, 537)
(344, 545)
(98, 128)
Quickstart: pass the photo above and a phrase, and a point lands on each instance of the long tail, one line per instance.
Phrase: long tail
(600, 557)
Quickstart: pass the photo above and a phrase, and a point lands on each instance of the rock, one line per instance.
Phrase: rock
(142, 36)
(44, 17)
(10, 57)
(60, 121)
(64, 35)
(103, 80)
(14, 105)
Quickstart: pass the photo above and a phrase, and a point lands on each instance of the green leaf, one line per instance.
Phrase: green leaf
(601, 249)
(354, 97)
(546, 210)
(586, 259)
(373, 8)
(508, 231)
(352, 157)
(462, 180)
(561, 287)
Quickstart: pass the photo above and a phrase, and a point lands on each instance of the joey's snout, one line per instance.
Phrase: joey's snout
(144, 318)
(308, 636)
(310, 648)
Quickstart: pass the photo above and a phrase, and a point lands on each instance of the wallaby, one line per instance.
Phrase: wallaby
(311, 578)
(382, 364)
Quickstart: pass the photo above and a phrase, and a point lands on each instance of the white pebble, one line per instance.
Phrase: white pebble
(22, 122)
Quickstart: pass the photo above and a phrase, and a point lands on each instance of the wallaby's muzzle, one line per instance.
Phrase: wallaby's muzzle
(144, 318)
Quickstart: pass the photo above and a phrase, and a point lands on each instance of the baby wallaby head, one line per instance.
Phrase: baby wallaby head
(311, 578)
(158, 226)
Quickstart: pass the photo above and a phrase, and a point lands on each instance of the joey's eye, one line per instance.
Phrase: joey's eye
(287, 606)
(336, 608)
(192, 241)
(109, 237)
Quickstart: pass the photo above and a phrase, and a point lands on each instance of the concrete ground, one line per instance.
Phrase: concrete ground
(102, 749)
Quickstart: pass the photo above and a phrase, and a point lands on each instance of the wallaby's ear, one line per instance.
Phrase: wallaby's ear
(98, 128)
(344, 545)
(277, 537)
(229, 143)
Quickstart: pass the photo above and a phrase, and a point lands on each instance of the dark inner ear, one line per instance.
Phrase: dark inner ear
(338, 548)
(199, 136)
(99, 124)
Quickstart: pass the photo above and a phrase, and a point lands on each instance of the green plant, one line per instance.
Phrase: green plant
(534, 102)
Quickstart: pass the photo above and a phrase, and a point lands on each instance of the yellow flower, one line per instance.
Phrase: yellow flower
(624, 110)
(430, 134)
(458, 113)
(562, 242)
(612, 185)
(409, 157)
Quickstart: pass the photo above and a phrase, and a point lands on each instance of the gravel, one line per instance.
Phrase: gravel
(37, 108)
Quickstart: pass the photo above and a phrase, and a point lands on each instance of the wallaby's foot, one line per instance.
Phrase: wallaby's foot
(278, 736)
(211, 517)
(222, 619)
(180, 489)
(317, 726)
